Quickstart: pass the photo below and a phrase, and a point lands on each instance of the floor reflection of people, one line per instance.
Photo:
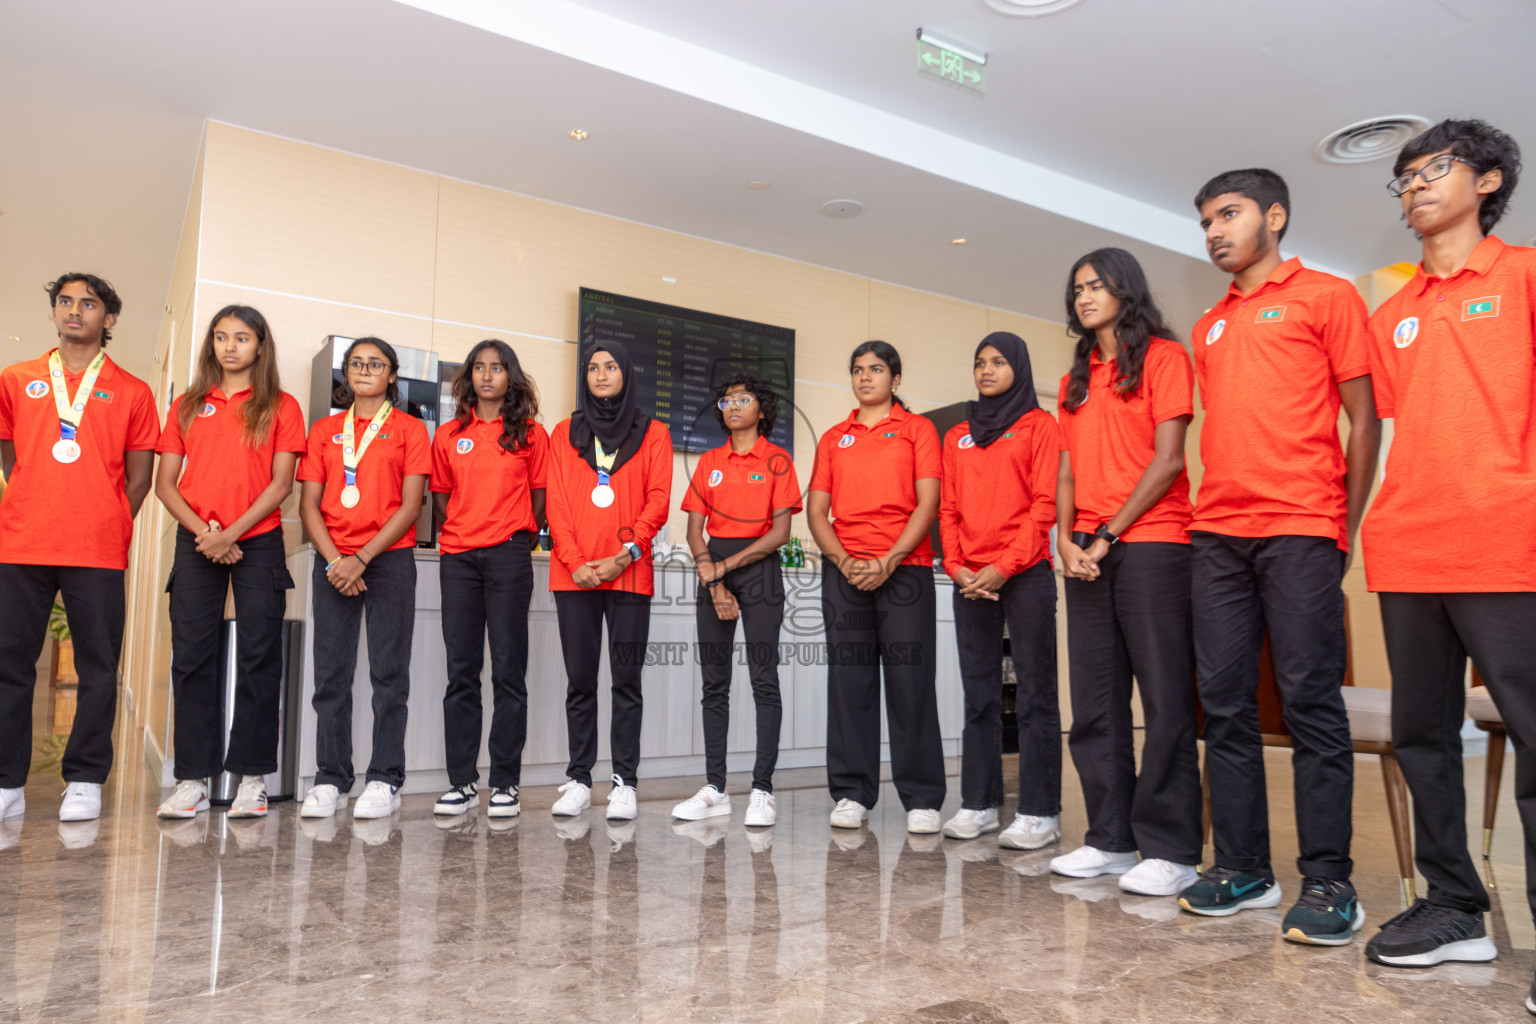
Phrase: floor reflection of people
(79, 871)
(712, 997)
(617, 970)
(851, 897)
(760, 982)
(582, 992)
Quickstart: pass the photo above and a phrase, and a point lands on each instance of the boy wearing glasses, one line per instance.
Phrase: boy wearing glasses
(1450, 542)
(1277, 508)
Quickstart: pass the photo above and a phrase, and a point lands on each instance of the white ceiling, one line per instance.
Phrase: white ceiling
(1097, 127)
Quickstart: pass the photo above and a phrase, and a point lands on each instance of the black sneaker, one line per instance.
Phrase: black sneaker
(1326, 914)
(503, 803)
(1426, 934)
(1222, 892)
(458, 800)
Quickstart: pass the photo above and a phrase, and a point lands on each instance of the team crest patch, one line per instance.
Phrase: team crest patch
(465, 446)
(1476, 309)
(37, 389)
(335, 439)
(845, 441)
(1215, 332)
(1406, 332)
(206, 411)
(1270, 314)
(715, 477)
(967, 441)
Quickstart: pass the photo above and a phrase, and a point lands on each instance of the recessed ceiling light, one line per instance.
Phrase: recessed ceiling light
(578, 134)
(1030, 8)
(957, 241)
(757, 186)
(14, 337)
(1370, 140)
(843, 208)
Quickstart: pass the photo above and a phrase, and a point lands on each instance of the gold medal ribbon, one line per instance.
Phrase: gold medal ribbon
(351, 452)
(72, 412)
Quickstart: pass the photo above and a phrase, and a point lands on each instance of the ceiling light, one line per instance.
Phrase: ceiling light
(842, 208)
(757, 186)
(14, 337)
(578, 134)
(1370, 140)
(957, 241)
(970, 53)
(1030, 8)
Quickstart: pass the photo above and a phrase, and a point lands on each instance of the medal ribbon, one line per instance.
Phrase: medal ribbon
(71, 413)
(352, 453)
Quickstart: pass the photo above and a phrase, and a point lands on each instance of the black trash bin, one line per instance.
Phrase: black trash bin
(282, 783)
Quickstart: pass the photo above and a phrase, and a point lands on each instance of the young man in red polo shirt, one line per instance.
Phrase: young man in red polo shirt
(1450, 542)
(1277, 508)
(77, 442)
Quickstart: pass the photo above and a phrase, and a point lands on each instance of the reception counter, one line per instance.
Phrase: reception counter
(672, 737)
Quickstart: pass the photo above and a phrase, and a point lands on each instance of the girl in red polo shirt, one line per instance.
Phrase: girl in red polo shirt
(364, 476)
(874, 494)
(488, 489)
(238, 434)
(744, 492)
(1123, 517)
(995, 521)
(610, 481)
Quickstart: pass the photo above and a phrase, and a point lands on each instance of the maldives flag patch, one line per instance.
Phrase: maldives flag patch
(1270, 314)
(1476, 309)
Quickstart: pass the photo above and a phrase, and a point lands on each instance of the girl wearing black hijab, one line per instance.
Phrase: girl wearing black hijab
(608, 490)
(995, 515)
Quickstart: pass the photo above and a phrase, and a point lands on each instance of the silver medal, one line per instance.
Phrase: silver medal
(602, 495)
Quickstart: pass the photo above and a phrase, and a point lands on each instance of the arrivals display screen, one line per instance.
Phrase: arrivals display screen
(679, 356)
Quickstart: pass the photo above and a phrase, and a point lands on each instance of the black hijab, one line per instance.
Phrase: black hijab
(615, 421)
(992, 416)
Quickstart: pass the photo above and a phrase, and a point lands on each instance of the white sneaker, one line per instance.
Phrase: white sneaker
(379, 800)
(923, 821)
(1090, 862)
(708, 802)
(621, 801)
(82, 802)
(504, 803)
(13, 803)
(322, 801)
(968, 824)
(1030, 832)
(188, 799)
(250, 799)
(1156, 877)
(458, 800)
(577, 798)
(10, 833)
(849, 814)
(762, 811)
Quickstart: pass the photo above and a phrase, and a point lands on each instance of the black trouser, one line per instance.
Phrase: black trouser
(487, 587)
(581, 614)
(1134, 622)
(1026, 604)
(1429, 637)
(390, 602)
(197, 586)
(1290, 584)
(894, 628)
(94, 606)
(759, 591)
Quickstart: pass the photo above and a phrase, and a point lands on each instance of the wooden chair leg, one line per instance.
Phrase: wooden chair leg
(1205, 808)
(1402, 823)
(1495, 773)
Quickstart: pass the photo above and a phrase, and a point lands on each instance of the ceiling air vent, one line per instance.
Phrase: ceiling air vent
(1370, 140)
(1030, 8)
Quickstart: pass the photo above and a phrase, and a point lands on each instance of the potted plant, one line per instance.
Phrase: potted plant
(63, 647)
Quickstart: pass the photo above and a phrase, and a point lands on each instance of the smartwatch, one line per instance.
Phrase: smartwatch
(633, 549)
(1102, 533)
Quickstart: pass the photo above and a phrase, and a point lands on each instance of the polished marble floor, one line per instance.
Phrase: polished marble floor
(413, 919)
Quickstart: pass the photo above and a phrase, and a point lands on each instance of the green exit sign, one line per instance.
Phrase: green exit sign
(955, 68)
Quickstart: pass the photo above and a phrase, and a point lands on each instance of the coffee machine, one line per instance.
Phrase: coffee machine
(421, 395)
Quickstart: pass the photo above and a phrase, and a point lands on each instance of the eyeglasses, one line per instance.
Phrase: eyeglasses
(738, 402)
(373, 366)
(1436, 169)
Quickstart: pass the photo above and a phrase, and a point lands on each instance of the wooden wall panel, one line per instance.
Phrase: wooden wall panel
(935, 336)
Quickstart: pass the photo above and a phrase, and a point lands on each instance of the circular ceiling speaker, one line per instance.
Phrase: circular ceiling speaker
(1370, 140)
(842, 208)
(1030, 8)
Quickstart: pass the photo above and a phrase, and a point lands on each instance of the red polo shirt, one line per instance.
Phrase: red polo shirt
(871, 474)
(489, 488)
(223, 475)
(1269, 366)
(1453, 363)
(399, 450)
(75, 514)
(1112, 441)
(999, 502)
(738, 492)
(580, 532)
